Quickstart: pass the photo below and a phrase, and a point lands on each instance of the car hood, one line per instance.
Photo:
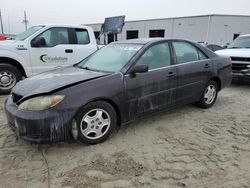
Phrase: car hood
(56, 79)
(4, 42)
(12, 45)
(238, 52)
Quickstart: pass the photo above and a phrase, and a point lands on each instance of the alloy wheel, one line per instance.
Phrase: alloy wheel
(210, 94)
(95, 123)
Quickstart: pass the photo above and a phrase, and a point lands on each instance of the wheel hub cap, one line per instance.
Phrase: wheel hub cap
(5, 79)
(95, 124)
(210, 94)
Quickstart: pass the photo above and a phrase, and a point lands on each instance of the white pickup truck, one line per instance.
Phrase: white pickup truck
(41, 48)
(239, 51)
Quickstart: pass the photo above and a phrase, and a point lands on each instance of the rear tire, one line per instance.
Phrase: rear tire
(9, 76)
(94, 123)
(209, 95)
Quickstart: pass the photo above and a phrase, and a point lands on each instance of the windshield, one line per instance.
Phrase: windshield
(111, 58)
(24, 35)
(241, 42)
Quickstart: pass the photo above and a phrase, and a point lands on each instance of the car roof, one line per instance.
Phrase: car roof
(140, 41)
(149, 41)
(63, 25)
(246, 35)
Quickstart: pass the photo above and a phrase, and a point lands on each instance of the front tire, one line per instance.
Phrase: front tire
(209, 95)
(94, 123)
(9, 76)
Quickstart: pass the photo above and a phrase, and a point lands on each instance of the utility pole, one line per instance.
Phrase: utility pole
(25, 21)
(9, 24)
(1, 21)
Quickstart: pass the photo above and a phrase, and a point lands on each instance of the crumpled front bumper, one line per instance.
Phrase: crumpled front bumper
(47, 126)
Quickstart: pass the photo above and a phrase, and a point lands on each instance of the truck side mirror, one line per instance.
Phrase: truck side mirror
(38, 42)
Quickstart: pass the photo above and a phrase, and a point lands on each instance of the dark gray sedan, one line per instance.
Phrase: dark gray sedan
(115, 85)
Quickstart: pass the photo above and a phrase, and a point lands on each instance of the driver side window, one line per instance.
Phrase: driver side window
(55, 36)
(157, 56)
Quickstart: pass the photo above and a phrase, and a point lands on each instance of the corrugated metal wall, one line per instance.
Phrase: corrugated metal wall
(217, 29)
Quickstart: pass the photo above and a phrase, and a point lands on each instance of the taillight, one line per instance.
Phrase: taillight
(2, 37)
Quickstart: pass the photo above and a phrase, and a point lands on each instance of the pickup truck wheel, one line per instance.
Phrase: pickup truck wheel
(9, 76)
(94, 123)
(209, 95)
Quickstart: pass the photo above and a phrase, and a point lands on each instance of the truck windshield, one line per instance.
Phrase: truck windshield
(241, 42)
(24, 35)
(111, 58)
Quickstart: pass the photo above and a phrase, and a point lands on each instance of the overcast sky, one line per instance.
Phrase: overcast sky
(94, 11)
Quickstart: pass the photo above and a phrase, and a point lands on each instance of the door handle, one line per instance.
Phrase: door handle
(206, 66)
(171, 74)
(68, 51)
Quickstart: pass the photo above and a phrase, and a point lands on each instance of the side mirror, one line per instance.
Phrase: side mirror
(38, 42)
(138, 69)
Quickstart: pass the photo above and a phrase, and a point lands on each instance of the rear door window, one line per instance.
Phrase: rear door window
(82, 36)
(201, 55)
(185, 52)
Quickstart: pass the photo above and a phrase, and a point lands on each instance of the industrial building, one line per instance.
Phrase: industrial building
(216, 29)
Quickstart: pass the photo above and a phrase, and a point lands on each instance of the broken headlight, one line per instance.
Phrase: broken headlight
(41, 103)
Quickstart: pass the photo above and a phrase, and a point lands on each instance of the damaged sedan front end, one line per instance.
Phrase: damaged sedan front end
(40, 113)
(43, 126)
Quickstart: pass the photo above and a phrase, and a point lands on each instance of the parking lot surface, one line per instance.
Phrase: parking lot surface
(185, 147)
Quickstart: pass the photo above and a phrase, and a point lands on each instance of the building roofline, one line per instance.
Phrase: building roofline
(181, 17)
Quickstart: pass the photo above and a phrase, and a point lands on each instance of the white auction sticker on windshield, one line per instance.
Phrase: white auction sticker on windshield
(134, 47)
(129, 47)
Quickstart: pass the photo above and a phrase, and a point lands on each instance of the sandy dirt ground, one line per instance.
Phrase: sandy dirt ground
(185, 147)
